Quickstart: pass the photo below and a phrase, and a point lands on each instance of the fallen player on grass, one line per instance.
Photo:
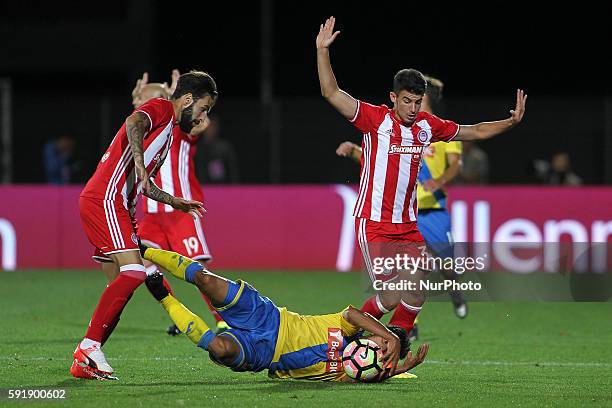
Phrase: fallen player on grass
(264, 336)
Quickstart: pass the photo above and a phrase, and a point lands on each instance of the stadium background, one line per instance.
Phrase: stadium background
(70, 66)
(283, 132)
(73, 64)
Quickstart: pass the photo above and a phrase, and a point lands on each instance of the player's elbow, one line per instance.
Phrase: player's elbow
(130, 121)
(352, 314)
(328, 92)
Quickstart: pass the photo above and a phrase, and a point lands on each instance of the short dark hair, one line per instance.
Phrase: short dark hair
(403, 338)
(197, 83)
(410, 80)
(434, 92)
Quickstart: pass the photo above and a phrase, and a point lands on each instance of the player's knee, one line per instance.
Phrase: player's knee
(415, 298)
(389, 300)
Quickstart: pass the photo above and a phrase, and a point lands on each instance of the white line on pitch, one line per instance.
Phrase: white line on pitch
(439, 362)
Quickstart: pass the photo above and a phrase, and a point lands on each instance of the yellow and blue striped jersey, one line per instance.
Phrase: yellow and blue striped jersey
(435, 160)
(310, 347)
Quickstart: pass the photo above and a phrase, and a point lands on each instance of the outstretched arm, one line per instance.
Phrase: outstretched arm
(486, 130)
(340, 100)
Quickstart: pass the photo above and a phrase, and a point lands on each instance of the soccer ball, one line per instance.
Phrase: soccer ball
(361, 360)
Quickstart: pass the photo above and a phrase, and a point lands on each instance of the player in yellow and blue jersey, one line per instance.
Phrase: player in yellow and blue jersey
(264, 336)
(441, 163)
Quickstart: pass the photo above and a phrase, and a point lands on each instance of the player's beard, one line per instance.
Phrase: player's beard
(186, 122)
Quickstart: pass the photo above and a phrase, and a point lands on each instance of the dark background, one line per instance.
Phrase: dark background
(73, 64)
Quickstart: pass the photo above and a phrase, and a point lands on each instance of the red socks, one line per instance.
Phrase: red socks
(113, 300)
(404, 316)
(374, 307)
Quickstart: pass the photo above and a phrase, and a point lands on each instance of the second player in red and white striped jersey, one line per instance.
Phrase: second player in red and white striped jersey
(115, 177)
(393, 144)
(177, 175)
(391, 161)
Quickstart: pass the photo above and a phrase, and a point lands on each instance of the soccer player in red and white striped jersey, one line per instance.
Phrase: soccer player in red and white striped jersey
(394, 140)
(162, 227)
(108, 201)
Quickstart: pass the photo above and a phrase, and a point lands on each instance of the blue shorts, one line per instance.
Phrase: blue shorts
(254, 322)
(435, 226)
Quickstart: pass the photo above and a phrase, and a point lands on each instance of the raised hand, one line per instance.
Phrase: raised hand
(140, 83)
(516, 114)
(326, 33)
(175, 77)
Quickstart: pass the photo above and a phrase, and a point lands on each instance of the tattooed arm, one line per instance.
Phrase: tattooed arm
(136, 126)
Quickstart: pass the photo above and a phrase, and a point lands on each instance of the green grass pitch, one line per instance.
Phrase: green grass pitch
(503, 354)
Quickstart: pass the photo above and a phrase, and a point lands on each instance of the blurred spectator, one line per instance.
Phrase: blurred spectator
(216, 159)
(558, 172)
(561, 171)
(475, 169)
(61, 164)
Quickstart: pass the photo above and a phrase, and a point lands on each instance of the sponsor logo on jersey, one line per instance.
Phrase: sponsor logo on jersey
(335, 345)
(134, 239)
(399, 149)
(106, 156)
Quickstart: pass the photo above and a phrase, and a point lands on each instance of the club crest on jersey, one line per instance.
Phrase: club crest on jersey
(106, 156)
(422, 136)
(157, 157)
(399, 149)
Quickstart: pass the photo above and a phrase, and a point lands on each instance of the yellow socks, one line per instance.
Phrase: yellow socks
(192, 325)
(178, 265)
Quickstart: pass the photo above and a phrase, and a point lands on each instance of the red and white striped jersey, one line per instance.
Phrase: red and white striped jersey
(115, 177)
(177, 175)
(391, 161)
